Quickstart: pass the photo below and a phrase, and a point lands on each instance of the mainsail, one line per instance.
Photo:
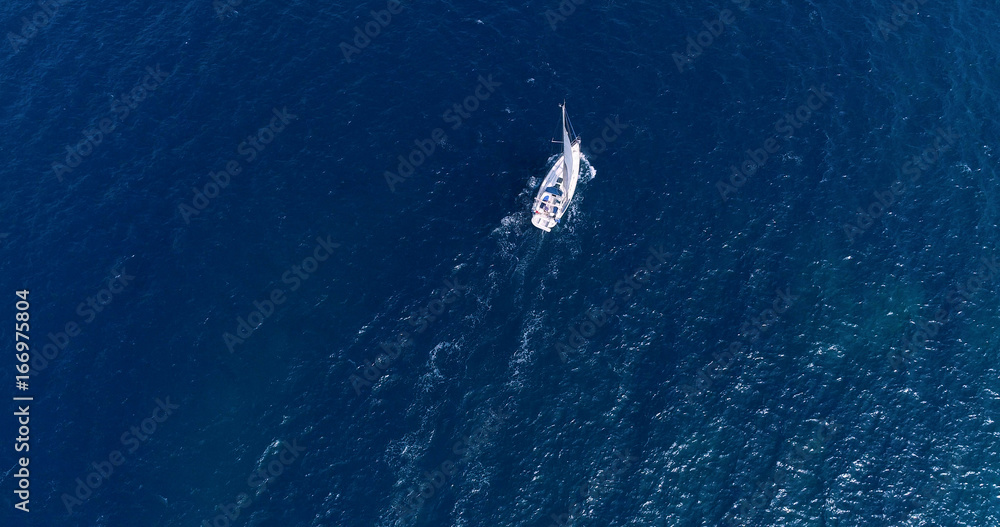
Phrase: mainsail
(567, 147)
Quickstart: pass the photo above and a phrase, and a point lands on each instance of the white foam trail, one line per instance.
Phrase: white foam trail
(591, 171)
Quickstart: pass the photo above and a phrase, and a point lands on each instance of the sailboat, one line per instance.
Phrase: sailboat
(559, 184)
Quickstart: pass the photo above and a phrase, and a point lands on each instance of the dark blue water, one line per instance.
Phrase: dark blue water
(249, 322)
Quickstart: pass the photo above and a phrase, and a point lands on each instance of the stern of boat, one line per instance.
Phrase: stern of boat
(543, 221)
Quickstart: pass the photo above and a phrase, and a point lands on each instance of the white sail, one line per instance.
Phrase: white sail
(567, 145)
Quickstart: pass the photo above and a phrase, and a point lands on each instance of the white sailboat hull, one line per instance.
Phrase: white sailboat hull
(549, 207)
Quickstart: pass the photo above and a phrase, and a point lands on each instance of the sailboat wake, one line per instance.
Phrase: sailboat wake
(589, 169)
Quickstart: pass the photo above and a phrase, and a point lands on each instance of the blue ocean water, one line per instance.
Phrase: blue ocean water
(772, 302)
